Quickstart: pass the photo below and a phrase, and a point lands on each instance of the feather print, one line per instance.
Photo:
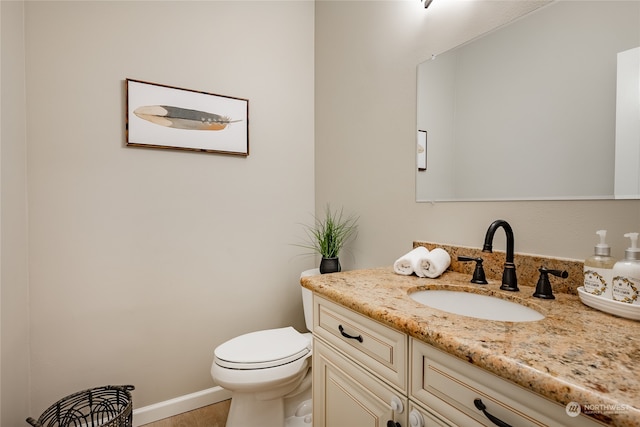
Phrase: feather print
(183, 118)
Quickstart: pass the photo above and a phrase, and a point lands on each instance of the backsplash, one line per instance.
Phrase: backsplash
(526, 266)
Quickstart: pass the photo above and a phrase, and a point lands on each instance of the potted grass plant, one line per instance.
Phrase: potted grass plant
(328, 235)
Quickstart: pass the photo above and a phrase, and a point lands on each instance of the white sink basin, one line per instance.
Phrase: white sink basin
(476, 305)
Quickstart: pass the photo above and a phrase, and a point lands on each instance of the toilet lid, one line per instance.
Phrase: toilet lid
(263, 349)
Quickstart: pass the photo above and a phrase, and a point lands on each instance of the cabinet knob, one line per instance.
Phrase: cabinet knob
(415, 419)
(396, 405)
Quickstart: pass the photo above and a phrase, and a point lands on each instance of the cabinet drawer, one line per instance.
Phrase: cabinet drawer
(450, 386)
(378, 347)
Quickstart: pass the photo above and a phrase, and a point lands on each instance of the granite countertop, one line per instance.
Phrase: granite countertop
(575, 354)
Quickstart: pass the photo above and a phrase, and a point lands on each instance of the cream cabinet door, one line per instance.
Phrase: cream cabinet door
(346, 395)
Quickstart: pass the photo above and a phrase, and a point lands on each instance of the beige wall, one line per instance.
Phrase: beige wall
(142, 261)
(365, 137)
(14, 305)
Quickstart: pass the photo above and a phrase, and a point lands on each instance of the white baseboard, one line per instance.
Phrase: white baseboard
(178, 405)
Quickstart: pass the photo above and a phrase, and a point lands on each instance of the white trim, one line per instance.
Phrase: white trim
(179, 405)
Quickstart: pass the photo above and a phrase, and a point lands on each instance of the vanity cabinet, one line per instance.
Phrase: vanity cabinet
(344, 394)
(359, 370)
(451, 386)
(366, 374)
(379, 348)
(420, 417)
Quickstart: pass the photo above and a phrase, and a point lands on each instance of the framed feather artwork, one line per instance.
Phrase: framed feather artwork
(161, 116)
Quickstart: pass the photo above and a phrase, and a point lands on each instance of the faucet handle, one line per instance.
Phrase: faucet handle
(478, 273)
(543, 288)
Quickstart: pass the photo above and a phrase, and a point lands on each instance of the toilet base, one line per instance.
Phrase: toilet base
(246, 411)
(292, 411)
(302, 416)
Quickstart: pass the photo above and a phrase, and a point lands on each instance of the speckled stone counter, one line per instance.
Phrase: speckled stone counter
(575, 354)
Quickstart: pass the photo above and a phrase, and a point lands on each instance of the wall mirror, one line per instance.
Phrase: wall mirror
(544, 108)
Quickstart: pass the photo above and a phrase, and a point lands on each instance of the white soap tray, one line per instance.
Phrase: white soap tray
(630, 311)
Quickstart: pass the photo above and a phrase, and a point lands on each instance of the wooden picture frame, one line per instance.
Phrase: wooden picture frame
(162, 116)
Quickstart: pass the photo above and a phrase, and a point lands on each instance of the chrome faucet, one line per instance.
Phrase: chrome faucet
(509, 278)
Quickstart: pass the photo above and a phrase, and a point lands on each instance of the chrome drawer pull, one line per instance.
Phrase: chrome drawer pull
(351, 337)
(482, 407)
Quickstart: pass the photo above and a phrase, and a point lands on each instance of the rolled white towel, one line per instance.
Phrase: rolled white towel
(434, 264)
(405, 264)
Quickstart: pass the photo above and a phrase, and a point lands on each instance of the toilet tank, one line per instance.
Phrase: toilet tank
(307, 299)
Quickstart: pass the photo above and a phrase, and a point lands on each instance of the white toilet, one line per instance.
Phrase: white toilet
(269, 374)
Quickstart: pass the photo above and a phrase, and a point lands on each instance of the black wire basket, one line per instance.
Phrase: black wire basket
(107, 406)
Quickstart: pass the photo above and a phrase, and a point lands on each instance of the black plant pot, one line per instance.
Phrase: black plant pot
(330, 265)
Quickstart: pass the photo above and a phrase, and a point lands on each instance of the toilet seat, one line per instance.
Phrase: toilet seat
(263, 349)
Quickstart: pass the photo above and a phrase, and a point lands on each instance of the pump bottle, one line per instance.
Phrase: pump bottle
(626, 274)
(598, 269)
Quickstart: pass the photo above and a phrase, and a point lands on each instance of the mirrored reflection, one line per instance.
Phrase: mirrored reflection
(530, 111)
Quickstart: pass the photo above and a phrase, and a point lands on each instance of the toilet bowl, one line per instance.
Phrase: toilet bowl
(269, 374)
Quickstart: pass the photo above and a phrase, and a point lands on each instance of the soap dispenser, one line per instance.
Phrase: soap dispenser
(598, 269)
(626, 274)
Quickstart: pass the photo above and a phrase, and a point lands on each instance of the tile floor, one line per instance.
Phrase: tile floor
(208, 416)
